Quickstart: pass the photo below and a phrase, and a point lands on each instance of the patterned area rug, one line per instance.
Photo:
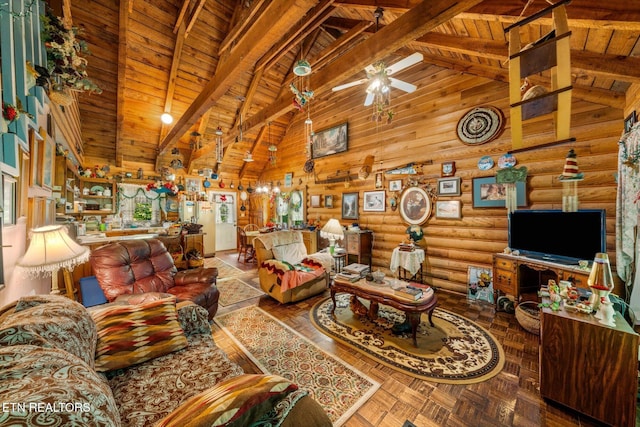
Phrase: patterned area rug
(235, 290)
(276, 348)
(455, 351)
(225, 270)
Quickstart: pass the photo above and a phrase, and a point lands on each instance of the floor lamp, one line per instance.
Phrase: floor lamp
(51, 249)
(332, 231)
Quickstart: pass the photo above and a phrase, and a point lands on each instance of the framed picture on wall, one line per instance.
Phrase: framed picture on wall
(48, 150)
(395, 185)
(449, 187)
(315, 200)
(629, 121)
(288, 179)
(487, 193)
(35, 178)
(193, 185)
(415, 206)
(349, 205)
(329, 141)
(448, 209)
(373, 201)
(328, 201)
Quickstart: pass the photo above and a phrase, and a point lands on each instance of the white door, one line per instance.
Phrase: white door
(225, 219)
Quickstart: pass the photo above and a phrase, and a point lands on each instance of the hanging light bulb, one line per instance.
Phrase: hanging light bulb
(166, 118)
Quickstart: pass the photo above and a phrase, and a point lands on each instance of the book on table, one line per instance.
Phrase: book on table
(409, 292)
(348, 276)
(359, 269)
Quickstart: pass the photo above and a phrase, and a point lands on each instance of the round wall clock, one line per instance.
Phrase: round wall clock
(480, 125)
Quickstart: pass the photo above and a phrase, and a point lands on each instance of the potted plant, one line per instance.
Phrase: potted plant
(194, 258)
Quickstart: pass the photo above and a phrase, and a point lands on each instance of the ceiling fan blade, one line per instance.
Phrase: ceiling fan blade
(370, 69)
(347, 85)
(399, 84)
(404, 63)
(369, 99)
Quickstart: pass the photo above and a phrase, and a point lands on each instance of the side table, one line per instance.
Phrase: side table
(408, 264)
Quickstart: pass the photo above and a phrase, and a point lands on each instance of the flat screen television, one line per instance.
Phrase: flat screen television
(554, 235)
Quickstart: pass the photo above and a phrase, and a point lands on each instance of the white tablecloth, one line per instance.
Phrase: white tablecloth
(410, 261)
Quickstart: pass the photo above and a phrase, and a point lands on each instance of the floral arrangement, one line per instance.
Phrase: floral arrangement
(167, 187)
(63, 55)
(9, 112)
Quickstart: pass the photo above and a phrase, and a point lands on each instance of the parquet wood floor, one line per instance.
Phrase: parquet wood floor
(511, 398)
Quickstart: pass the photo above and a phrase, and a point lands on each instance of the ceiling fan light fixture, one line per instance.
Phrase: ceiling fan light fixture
(248, 157)
(166, 118)
(302, 68)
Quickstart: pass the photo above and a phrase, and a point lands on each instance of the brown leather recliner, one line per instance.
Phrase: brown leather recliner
(145, 265)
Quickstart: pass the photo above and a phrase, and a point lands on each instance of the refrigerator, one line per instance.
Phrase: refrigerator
(204, 213)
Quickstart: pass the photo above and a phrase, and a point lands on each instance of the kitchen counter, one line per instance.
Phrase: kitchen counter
(103, 238)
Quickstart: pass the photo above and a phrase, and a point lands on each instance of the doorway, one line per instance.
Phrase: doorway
(225, 219)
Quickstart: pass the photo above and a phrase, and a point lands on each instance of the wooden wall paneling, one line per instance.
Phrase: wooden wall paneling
(424, 129)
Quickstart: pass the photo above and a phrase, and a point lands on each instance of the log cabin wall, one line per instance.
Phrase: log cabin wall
(423, 132)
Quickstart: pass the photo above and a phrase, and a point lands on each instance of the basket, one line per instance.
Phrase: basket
(528, 315)
(194, 263)
(192, 228)
(174, 231)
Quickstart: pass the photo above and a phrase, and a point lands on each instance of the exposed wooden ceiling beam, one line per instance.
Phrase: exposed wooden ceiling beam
(194, 17)
(599, 96)
(408, 27)
(299, 31)
(582, 62)
(242, 18)
(181, 15)
(266, 30)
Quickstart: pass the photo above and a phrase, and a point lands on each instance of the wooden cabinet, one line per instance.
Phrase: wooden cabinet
(310, 240)
(517, 275)
(66, 179)
(589, 367)
(359, 244)
(98, 195)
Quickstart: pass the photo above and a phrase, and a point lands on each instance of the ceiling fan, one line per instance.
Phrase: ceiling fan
(380, 80)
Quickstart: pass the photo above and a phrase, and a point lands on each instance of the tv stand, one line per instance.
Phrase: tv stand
(518, 275)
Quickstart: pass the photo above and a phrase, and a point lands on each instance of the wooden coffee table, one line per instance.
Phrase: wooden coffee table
(384, 294)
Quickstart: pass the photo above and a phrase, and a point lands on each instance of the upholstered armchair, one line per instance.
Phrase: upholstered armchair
(145, 265)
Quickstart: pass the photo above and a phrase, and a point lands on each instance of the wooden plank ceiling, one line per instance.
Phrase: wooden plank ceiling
(229, 64)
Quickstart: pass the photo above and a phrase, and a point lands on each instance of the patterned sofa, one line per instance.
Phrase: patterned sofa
(286, 272)
(153, 363)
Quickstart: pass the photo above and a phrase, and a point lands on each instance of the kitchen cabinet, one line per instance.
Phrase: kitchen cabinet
(65, 181)
(97, 196)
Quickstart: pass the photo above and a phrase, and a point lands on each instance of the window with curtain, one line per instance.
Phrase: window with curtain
(138, 206)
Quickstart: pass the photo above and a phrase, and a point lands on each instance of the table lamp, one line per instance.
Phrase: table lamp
(51, 249)
(332, 231)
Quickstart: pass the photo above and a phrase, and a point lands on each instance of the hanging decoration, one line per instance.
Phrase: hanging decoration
(194, 144)
(219, 145)
(509, 177)
(176, 163)
(272, 149)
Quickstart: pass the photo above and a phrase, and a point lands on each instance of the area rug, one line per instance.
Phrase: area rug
(455, 351)
(225, 270)
(235, 290)
(277, 349)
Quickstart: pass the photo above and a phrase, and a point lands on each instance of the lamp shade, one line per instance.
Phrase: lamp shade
(332, 230)
(51, 249)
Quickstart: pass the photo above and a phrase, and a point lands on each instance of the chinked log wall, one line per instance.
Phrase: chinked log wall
(423, 130)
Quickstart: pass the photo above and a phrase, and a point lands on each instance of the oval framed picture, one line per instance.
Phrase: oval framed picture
(415, 206)
(480, 125)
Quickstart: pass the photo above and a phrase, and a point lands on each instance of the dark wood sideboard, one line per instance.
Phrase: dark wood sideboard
(590, 367)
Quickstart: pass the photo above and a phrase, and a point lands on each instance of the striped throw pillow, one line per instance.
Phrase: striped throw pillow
(238, 402)
(132, 334)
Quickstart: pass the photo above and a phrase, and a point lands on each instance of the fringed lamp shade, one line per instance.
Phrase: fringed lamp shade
(51, 249)
(332, 231)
